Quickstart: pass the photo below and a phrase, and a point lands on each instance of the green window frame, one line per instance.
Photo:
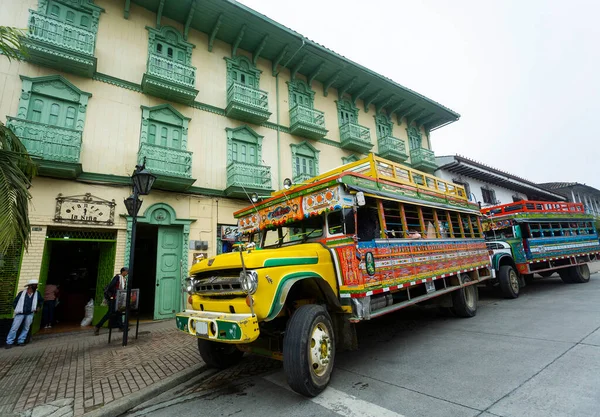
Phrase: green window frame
(300, 93)
(168, 43)
(415, 139)
(164, 126)
(347, 112)
(384, 126)
(305, 161)
(241, 70)
(244, 145)
(350, 158)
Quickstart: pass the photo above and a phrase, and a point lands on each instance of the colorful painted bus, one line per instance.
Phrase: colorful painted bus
(350, 245)
(540, 237)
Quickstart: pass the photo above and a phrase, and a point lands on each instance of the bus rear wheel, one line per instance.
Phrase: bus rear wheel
(309, 350)
(464, 301)
(219, 355)
(579, 274)
(509, 281)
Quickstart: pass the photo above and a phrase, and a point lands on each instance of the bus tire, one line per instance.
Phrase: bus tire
(565, 275)
(509, 281)
(309, 350)
(580, 274)
(546, 274)
(464, 301)
(219, 355)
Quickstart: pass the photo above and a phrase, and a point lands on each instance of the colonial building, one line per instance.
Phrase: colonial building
(577, 193)
(490, 186)
(219, 102)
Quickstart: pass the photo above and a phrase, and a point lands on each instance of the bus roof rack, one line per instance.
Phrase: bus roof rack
(530, 206)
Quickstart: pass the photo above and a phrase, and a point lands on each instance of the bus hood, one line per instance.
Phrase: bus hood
(301, 254)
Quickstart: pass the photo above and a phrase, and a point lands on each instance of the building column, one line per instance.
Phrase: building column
(121, 250)
(32, 258)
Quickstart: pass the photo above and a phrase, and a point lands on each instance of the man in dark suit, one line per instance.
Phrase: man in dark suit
(119, 282)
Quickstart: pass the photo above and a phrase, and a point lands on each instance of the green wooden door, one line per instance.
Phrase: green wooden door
(168, 275)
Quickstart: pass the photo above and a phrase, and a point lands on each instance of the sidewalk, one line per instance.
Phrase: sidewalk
(78, 373)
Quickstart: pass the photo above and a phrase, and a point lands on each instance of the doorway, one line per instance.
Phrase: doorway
(144, 268)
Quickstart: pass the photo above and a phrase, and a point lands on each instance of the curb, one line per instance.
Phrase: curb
(124, 404)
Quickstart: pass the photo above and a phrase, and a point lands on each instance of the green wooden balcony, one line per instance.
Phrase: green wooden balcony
(423, 159)
(247, 104)
(60, 45)
(245, 178)
(55, 149)
(392, 148)
(169, 80)
(300, 178)
(355, 137)
(307, 122)
(173, 167)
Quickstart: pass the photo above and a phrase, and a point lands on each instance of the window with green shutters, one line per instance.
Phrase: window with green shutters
(67, 14)
(305, 162)
(163, 141)
(240, 70)
(244, 146)
(300, 93)
(347, 112)
(384, 126)
(414, 138)
(52, 111)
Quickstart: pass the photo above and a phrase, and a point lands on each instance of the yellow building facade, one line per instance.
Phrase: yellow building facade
(221, 101)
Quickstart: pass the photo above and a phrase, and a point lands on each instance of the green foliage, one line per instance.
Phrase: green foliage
(10, 43)
(16, 166)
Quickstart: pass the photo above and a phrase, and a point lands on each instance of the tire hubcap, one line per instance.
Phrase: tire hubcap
(470, 295)
(320, 349)
(514, 281)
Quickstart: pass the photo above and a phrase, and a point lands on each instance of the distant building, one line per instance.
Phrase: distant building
(577, 193)
(489, 186)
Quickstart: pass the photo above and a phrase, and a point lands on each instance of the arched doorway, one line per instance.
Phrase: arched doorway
(161, 259)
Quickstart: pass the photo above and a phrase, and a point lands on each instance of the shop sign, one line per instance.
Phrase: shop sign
(229, 233)
(84, 209)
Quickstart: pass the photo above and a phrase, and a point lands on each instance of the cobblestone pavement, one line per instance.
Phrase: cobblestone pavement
(87, 372)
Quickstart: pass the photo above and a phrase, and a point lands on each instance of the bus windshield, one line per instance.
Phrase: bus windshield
(293, 233)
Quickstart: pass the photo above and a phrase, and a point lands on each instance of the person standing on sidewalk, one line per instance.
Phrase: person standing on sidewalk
(26, 303)
(50, 295)
(119, 282)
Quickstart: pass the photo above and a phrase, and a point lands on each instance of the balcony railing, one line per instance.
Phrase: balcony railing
(307, 122)
(161, 160)
(172, 71)
(48, 142)
(248, 96)
(392, 148)
(423, 159)
(52, 31)
(249, 176)
(355, 137)
(300, 178)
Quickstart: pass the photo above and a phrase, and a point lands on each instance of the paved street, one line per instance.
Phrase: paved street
(538, 355)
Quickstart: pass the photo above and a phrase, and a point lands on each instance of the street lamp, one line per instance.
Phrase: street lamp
(142, 180)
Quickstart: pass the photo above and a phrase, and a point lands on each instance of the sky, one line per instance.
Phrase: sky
(524, 75)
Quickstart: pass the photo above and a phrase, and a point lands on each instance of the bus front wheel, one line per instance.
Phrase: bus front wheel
(309, 350)
(509, 281)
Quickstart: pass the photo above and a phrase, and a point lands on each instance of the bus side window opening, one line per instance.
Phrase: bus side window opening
(368, 221)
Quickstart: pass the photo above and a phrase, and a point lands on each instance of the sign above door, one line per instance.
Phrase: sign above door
(84, 209)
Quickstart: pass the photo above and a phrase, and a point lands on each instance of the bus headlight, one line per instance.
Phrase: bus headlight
(249, 281)
(190, 285)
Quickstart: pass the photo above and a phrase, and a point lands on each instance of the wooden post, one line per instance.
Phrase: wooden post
(460, 225)
(421, 221)
(403, 218)
(438, 230)
(450, 227)
(383, 226)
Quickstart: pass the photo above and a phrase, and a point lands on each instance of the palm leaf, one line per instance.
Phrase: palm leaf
(10, 43)
(16, 170)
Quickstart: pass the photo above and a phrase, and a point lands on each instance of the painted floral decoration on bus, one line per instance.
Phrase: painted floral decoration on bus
(321, 201)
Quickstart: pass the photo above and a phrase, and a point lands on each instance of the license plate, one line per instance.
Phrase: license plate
(201, 328)
(429, 286)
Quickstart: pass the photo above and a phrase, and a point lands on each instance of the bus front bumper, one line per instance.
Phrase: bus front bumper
(219, 327)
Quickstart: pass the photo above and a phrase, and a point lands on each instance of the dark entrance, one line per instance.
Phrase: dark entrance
(74, 268)
(144, 267)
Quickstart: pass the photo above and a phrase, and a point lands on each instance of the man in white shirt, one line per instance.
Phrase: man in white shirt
(119, 282)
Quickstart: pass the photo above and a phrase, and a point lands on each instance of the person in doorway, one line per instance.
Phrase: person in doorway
(119, 282)
(26, 303)
(50, 296)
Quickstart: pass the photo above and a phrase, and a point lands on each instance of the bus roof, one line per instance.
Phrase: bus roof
(530, 208)
(378, 177)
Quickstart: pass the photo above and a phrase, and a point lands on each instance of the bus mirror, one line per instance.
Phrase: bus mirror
(517, 231)
(360, 199)
(287, 183)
